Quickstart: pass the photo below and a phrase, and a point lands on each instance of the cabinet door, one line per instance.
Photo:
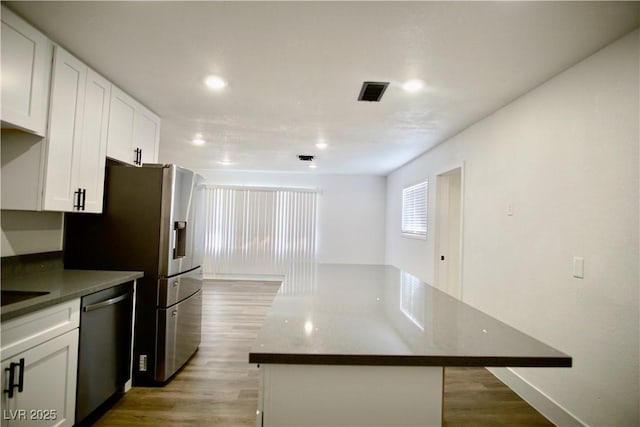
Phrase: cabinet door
(49, 384)
(146, 135)
(94, 141)
(65, 129)
(26, 66)
(120, 131)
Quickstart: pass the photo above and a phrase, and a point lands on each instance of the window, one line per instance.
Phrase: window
(258, 231)
(414, 210)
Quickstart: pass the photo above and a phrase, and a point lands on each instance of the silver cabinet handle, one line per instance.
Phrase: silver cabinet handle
(174, 313)
(106, 303)
(176, 284)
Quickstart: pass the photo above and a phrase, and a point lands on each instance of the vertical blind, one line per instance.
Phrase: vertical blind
(258, 231)
(414, 210)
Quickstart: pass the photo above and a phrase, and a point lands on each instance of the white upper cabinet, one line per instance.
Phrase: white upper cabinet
(26, 68)
(68, 85)
(77, 137)
(74, 119)
(134, 131)
(120, 133)
(93, 151)
(146, 135)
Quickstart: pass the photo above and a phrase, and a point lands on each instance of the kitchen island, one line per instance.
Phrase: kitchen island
(366, 345)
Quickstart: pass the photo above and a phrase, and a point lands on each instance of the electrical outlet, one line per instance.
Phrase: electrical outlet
(142, 363)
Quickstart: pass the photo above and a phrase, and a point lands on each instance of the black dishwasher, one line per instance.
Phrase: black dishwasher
(104, 354)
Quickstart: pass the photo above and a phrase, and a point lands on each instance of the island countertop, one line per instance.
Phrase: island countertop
(338, 314)
(60, 285)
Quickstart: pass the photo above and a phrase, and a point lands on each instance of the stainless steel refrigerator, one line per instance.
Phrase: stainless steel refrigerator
(150, 222)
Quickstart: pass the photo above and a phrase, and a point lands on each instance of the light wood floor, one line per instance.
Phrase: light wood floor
(218, 387)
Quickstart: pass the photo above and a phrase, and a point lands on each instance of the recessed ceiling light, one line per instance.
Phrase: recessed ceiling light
(312, 166)
(225, 162)
(413, 85)
(321, 145)
(198, 140)
(215, 82)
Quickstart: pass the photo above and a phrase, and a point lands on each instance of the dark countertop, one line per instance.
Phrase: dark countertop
(62, 285)
(335, 314)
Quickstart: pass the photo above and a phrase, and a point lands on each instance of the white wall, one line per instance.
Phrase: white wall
(566, 156)
(25, 232)
(351, 217)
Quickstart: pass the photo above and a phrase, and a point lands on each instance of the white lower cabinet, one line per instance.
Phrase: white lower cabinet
(39, 367)
(44, 384)
(349, 395)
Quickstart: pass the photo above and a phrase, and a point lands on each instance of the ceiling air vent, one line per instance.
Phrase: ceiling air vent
(372, 91)
(305, 157)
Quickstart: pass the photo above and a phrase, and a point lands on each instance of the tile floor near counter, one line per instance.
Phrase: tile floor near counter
(219, 388)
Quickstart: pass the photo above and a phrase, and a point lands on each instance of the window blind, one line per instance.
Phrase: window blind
(253, 231)
(414, 210)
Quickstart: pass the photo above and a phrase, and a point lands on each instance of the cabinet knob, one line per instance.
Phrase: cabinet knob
(176, 284)
(174, 313)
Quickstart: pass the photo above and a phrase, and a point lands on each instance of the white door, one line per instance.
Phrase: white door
(449, 232)
(65, 130)
(49, 384)
(120, 130)
(94, 141)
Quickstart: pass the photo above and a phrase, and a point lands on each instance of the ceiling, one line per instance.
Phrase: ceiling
(294, 70)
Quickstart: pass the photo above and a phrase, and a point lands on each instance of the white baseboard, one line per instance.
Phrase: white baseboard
(245, 277)
(535, 397)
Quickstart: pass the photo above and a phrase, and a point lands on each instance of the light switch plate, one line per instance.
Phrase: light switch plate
(578, 267)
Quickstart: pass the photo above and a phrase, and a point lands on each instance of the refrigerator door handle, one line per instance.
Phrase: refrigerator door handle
(180, 249)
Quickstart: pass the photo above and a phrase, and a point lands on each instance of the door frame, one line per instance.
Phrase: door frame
(436, 253)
